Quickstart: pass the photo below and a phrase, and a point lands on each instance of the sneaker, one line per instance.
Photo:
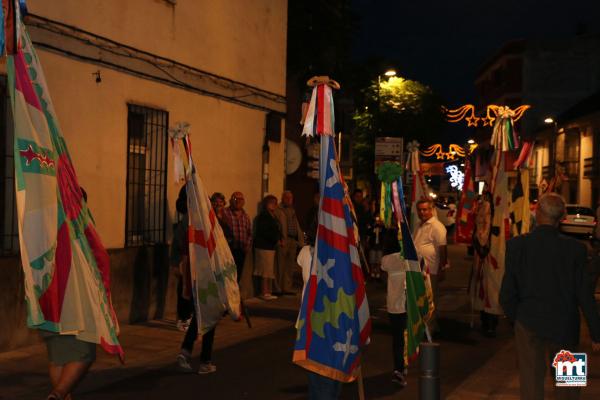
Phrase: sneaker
(207, 368)
(183, 325)
(399, 378)
(183, 363)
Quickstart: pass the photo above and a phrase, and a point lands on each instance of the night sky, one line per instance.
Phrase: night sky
(444, 43)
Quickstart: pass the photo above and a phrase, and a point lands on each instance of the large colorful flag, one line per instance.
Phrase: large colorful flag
(465, 218)
(212, 267)
(493, 221)
(419, 304)
(65, 266)
(334, 322)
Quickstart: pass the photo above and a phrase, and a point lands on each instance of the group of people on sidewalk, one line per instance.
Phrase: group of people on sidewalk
(264, 251)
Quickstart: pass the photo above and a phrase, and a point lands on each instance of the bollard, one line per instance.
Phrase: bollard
(429, 364)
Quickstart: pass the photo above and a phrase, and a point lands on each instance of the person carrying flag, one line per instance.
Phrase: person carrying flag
(430, 241)
(394, 264)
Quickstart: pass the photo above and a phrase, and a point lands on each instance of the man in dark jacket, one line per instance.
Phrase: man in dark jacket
(544, 287)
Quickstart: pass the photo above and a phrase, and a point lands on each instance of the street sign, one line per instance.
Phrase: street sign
(388, 149)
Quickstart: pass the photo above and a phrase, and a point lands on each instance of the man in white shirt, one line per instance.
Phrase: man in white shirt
(430, 241)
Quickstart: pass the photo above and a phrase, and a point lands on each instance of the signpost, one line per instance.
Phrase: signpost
(388, 149)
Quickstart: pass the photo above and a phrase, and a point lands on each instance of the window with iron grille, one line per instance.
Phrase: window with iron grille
(147, 142)
(9, 230)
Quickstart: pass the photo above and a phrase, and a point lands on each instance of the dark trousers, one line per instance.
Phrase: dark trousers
(489, 322)
(185, 307)
(323, 388)
(534, 355)
(207, 341)
(239, 256)
(398, 323)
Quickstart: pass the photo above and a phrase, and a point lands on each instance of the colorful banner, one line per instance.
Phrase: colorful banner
(492, 224)
(465, 218)
(212, 267)
(65, 266)
(334, 323)
(419, 300)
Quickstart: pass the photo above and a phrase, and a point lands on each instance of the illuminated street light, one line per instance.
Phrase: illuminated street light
(389, 73)
(471, 141)
(549, 120)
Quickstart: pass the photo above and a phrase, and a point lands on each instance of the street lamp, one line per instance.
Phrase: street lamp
(549, 120)
(470, 141)
(389, 73)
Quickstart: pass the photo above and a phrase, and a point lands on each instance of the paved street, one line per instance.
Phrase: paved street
(256, 363)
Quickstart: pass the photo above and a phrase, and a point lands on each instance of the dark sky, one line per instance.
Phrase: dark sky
(443, 43)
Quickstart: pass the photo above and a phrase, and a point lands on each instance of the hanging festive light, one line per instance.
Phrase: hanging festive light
(457, 177)
(493, 111)
(454, 150)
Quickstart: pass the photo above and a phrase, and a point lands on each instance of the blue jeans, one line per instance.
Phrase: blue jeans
(323, 388)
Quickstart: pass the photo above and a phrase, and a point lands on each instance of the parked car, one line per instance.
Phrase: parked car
(579, 220)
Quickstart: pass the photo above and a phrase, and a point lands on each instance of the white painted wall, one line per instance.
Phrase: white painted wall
(241, 40)
(244, 41)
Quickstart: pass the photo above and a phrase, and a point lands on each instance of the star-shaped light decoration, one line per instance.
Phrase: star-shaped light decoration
(472, 120)
(180, 130)
(487, 120)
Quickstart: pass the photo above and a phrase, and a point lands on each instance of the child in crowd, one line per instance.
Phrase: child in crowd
(395, 265)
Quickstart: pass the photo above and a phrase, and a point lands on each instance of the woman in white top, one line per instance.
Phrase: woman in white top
(395, 265)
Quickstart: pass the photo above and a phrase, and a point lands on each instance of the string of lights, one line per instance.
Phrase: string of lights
(492, 112)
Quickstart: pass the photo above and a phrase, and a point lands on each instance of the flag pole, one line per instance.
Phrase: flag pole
(428, 334)
(361, 385)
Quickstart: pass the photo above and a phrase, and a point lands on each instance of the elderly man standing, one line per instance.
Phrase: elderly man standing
(430, 242)
(293, 238)
(241, 228)
(544, 287)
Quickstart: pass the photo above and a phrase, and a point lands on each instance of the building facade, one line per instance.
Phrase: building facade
(120, 75)
(567, 153)
(552, 76)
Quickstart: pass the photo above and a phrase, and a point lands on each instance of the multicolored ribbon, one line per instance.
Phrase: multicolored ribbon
(320, 117)
(504, 136)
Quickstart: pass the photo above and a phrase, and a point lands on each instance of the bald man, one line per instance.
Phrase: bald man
(544, 287)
